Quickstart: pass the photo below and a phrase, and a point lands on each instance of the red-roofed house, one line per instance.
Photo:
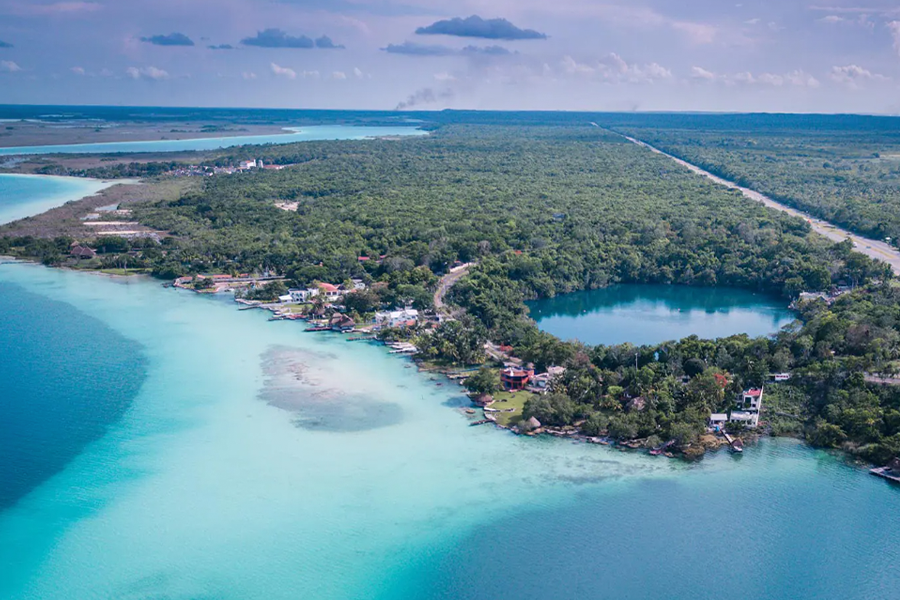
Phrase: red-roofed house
(515, 378)
(330, 291)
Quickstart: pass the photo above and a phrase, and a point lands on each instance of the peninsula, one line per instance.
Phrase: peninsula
(489, 211)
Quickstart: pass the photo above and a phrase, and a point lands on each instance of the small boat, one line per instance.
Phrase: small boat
(737, 446)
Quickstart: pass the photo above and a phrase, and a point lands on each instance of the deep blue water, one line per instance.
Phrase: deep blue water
(797, 524)
(64, 378)
(209, 485)
(649, 314)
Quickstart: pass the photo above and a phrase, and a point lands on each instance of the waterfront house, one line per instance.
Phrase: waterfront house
(330, 291)
(514, 378)
(541, 382)
(285, 299)
(83, 252)
(406, 317)
(302, 296)
(751, 400)
(717, 421)
(340, 322)
(748, 418)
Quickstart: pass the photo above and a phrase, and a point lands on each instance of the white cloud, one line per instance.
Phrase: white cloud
(753, 21)
(357, 72)
(894, 27)
(309, 74)
(152, 73)
(770, 79)
(280, 71)
(248, 75)
(701, 73)
(614, 69)
(444, 77)
(78, 70)
(854, 75)
(832, 19)
(801, 78)
(338, 75)
(8, 66)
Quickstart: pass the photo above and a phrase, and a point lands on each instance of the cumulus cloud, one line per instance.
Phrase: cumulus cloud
(5, 44)
(701, 73)
(413, 49)
(338, 75)
(485, 51)
(357, 72)
(285, 72)
(475, 26)
(173, 39)
(8, 66)
(612, 68)
(78, 70)
(854, 75)
(797, 78)
(327, 43)
(801, 78)
(424, 96)
(276, 38)
(221, 47)
(894, 27)
(150, 73)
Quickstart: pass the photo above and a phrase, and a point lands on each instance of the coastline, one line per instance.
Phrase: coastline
(83, 188)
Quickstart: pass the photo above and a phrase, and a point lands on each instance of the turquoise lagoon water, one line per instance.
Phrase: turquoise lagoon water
(296, 134)
(28, 195)
(254, 460)
(649, 314)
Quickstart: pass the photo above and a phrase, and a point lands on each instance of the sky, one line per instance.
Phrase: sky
(599, 55)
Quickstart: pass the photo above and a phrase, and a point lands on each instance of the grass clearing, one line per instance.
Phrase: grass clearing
(505, 400)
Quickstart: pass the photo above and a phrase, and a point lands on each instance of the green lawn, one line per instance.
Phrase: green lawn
(503, 400)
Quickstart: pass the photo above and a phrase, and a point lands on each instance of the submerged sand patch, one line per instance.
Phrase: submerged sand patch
(299, 381)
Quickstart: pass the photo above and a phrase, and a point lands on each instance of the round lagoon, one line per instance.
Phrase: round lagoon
(246, 459)
(649, 314)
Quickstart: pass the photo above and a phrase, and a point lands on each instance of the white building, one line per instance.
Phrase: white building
(751, 400)
(718, 420)
(749, 419)
(247, 164)
(302, 296)
(396, 318)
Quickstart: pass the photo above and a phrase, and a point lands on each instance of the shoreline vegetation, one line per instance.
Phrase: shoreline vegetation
(543, 208)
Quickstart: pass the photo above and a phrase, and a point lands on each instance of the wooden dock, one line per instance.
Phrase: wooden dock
(886, 473)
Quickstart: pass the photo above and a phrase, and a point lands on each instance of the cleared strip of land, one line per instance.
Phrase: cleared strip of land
(876, 249)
